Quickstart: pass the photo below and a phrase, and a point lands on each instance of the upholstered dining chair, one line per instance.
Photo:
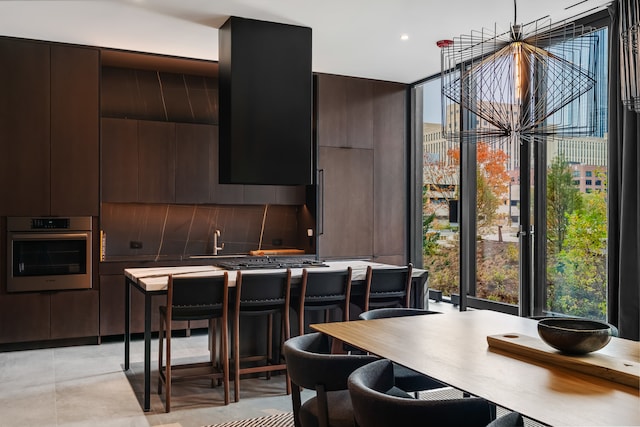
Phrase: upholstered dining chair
(261, 294)
(405, 378)
(387, 287)
(322, 290)
(373, 406)
(194, 298)
(312, 366)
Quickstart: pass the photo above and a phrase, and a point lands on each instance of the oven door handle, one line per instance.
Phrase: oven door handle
(49, 236)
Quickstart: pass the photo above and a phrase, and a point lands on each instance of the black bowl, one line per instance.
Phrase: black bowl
(574, 336)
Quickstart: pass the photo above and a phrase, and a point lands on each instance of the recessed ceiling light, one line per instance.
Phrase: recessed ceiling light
(404, 37)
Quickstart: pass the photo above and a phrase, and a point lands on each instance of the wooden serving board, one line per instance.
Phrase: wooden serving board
(601, 365)
(272, 252)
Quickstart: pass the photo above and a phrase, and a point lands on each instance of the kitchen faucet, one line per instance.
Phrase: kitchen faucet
(216, 248)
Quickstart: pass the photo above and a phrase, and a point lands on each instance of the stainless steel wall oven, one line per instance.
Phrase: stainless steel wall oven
(48, 253)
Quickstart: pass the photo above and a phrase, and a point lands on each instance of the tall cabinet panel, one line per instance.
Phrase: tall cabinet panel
(48, 129)
(75, 161)
(361, 139)
(390, 173)
(24, 127)
(346, 181)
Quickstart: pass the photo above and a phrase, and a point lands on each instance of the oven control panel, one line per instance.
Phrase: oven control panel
(50, 223)
(73, 223)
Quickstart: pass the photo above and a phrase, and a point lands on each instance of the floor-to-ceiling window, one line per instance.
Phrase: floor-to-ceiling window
(561, 251)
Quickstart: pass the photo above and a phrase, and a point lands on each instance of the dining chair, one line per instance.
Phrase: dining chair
(194, 298)
(405, 378)
(387, 287)
(261, 294)
(312, 366)
(323, 291)
(373, 406)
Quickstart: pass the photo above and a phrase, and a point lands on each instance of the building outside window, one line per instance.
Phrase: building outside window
(572, 278)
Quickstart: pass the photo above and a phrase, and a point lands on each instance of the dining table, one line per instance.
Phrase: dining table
(153, 281)
(455, 348)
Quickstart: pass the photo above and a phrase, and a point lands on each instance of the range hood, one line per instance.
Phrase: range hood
(266, 92)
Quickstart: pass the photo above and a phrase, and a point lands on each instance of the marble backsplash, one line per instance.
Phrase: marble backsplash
(183, 230)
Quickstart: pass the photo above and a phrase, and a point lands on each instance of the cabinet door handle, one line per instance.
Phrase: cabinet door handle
(321, 201)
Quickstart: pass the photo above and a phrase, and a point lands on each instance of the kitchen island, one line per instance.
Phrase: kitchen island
(153, 281)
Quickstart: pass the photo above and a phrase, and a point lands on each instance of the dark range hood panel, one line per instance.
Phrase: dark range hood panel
(265, 89)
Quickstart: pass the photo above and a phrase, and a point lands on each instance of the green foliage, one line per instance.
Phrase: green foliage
(487, 202)
(444, 268)
(580, 277)
(430, 240)
(562, 199)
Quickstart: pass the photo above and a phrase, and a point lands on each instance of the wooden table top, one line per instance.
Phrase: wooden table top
(453, 348)
(155, 279)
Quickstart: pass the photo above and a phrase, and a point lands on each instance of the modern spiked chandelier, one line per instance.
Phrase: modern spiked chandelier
(516, 83)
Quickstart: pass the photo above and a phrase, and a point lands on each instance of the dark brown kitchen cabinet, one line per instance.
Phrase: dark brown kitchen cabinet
(74, 314)
(75, 113)
(24, 127)
(119, 160)
(346, 107)
(41, 316)
(194, 162)
(346, 181)
(112, 290)
(48, 129)
(389, 173)
(156, 162)
(362, 160)
(24, 317)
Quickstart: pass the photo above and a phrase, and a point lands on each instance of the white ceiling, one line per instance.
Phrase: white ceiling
(350, 37)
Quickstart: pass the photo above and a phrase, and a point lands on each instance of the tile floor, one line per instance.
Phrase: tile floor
(86, 386)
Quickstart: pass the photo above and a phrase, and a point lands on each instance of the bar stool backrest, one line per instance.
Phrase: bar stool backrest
(263, 292)
(195, 298)
(388, 287)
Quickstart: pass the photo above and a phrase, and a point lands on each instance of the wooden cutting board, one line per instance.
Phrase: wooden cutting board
(271, 252)
(601, 365)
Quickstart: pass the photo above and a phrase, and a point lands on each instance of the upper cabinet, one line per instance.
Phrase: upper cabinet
(75, 130)
(158, 95)
(49, 134)
(265, 103)
(347, 112)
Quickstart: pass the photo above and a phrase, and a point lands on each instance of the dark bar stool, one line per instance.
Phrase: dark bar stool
(261, 294)
(323, 290)
(195, 298)
(387, 287)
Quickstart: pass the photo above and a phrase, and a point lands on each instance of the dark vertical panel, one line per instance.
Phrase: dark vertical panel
(390, 177)
(156, 162)
(24, 128)
(348, 202)
(119, 160)
(332, 107)
(265, 103)
(75, 161)
(194, 146)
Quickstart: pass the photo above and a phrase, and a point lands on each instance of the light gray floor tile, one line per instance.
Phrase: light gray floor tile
(86, 386)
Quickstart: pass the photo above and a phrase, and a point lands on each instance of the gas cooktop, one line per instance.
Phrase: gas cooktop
(265, 262)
